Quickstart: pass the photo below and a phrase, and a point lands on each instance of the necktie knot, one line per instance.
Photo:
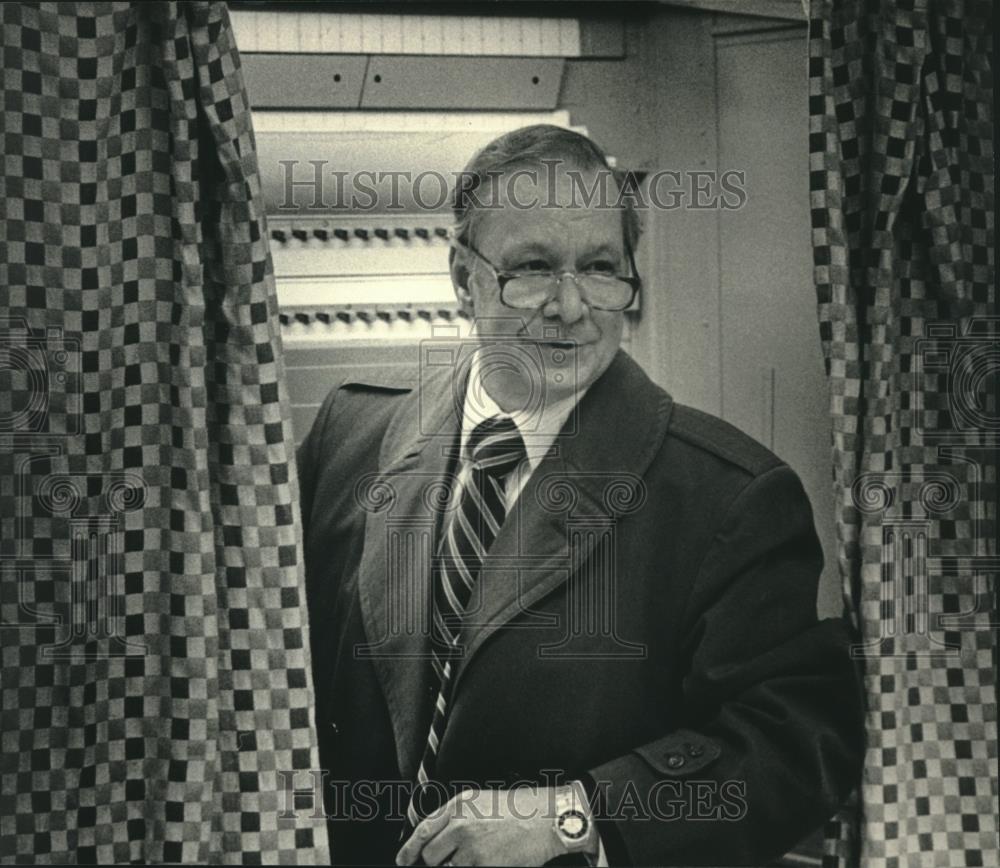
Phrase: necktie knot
(495, 446)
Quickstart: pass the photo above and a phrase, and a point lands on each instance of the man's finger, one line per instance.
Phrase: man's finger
(442, 847)
(426, 829)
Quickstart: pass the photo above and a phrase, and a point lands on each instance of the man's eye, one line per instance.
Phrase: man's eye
(602, 266)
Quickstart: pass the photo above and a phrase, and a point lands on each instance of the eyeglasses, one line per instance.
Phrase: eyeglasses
(530, 290)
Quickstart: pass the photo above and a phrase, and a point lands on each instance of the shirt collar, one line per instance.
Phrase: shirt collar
(538, 431)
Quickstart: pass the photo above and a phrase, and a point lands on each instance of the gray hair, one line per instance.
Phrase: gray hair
(533, 145)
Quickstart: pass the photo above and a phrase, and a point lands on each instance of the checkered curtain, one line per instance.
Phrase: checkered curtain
(156, 694)
(901, 149)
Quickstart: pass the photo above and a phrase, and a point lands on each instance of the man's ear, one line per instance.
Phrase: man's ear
(460, 278)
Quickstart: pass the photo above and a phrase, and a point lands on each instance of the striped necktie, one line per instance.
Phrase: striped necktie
(494, 449)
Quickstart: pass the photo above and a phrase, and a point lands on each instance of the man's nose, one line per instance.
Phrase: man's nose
(568, 303)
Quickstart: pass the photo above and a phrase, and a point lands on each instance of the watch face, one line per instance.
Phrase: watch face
(573, 824)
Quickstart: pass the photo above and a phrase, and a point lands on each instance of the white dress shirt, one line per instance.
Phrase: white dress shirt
(538, 429)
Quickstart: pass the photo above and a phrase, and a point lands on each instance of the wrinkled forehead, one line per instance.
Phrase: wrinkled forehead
(548, 202)
(547, 183)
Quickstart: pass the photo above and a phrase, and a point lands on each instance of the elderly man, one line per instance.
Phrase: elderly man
(556, 615)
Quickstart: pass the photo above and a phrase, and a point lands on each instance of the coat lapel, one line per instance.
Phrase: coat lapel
(591, 476)
(394, 581)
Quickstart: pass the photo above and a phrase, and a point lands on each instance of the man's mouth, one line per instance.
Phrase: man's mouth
(558, 343)
(564, 344)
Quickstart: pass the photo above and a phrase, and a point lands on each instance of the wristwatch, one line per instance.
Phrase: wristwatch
(574, 826)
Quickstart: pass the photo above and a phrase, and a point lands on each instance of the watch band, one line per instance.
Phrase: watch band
(574, 824)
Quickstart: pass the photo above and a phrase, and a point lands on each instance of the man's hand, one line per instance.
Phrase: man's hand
(488, 827)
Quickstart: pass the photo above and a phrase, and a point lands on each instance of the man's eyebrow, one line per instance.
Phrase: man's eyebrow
(524, 248)
(606, 250)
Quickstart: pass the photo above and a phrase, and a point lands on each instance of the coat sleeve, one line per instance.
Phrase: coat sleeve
(772, 735)
(309, 458)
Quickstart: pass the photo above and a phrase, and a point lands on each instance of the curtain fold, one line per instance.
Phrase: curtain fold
(903, 217)
(155, 682)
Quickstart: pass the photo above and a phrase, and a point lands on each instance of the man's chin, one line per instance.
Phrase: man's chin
(566, 380)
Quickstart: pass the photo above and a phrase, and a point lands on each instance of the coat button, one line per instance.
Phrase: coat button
(333, 726)
(675, 761)
(695, 750)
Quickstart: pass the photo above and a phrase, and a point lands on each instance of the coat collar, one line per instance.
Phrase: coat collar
(592, 474)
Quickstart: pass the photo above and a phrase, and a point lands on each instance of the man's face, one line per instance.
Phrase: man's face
(575, 342)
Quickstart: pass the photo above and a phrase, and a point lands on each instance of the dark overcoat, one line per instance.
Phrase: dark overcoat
(645, 621)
